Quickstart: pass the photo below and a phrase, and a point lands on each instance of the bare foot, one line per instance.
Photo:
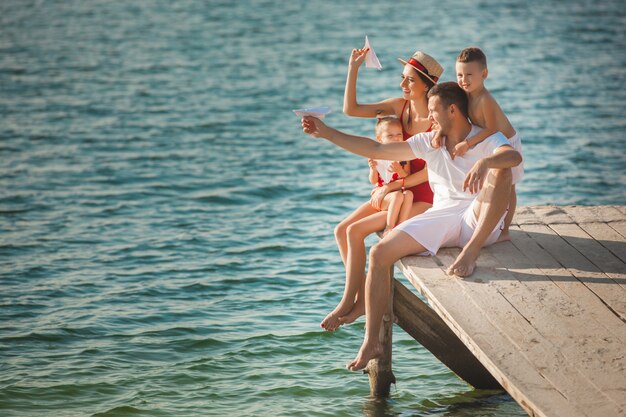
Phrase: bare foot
(357, 311)
(367, 352)
(333, 320)
(504, 236)
(463, 265)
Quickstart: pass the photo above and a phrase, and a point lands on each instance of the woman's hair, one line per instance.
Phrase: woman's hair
(425, 79)
(450, 93)
(384, 121)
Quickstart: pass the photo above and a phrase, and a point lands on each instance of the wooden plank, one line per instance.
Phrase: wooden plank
(567, 327)
(449, 297)
(603, 259)
(619, 227)
(425, 326)
(621, 209)
(607, 237)
(566, 282)
(545, 313)
(510, 306)
(551, 214)
(613, 295)
(593, 214)
(526, 215)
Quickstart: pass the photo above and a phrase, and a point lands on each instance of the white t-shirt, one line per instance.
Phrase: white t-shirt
(446, 175)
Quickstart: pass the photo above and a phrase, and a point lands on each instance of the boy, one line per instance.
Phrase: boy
(484, 111)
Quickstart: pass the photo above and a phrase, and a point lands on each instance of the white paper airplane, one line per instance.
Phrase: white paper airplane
(371, 60)
(318, 112)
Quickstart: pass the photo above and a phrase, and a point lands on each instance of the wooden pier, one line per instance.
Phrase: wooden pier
(543, 316)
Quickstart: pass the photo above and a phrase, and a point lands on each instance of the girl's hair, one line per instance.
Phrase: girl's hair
(384, 121)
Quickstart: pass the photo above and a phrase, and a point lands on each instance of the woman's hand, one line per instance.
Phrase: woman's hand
(357, 57)
(371, 163)
(378, 195)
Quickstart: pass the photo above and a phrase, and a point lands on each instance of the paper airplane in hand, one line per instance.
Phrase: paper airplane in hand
(371, 60)
(383, 168)
(318, 112)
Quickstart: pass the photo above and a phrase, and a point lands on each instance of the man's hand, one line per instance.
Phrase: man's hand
(313, 126)
(476, 176)
(378, 195)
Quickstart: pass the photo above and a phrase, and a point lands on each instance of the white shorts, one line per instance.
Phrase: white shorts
(449, 226)
(518, 171)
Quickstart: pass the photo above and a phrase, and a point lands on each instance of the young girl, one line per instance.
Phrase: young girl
(396, 203)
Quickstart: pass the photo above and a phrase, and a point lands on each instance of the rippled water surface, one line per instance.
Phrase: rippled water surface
(166, 244)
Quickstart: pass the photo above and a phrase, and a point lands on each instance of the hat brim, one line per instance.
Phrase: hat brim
(417, 69)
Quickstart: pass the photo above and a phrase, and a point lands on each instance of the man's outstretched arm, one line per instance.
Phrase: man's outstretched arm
(399, 151)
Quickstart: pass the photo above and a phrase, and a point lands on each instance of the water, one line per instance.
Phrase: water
(166, 243)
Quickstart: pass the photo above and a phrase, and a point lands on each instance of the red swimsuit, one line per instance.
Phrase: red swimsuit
(421, 192)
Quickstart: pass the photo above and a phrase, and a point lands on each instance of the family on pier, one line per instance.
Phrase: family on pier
(458, 188)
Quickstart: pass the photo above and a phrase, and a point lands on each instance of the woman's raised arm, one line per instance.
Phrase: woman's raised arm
(350, 105)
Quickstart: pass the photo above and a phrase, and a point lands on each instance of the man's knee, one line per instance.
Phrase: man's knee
(382, 254)
(501, 176)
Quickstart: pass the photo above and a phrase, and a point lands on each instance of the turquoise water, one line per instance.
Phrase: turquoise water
(166, 244)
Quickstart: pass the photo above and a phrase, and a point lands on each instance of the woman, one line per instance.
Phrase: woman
(420, 73)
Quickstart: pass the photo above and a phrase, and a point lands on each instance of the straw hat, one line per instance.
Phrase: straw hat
(425, 64)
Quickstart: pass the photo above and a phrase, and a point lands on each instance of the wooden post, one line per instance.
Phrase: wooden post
(425, 326)
(379, 370)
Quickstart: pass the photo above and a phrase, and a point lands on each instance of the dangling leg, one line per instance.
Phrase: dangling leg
(341, 230)
(377, 290)
(355, 269)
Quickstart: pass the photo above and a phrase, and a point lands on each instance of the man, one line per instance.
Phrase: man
(471, 198)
